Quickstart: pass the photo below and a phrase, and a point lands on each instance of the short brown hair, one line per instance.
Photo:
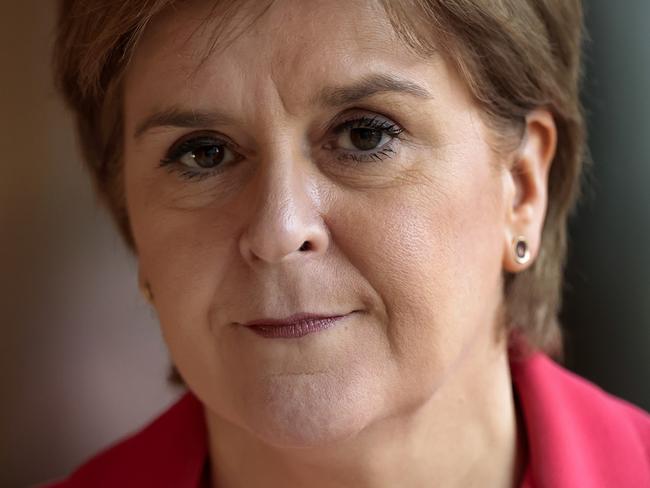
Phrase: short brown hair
(514, 55)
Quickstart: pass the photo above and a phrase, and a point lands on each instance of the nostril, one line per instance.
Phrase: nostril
(306, 246)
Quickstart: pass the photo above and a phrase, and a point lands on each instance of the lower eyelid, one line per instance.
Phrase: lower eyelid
(387, 151)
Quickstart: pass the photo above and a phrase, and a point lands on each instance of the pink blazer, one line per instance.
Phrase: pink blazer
(578, 436)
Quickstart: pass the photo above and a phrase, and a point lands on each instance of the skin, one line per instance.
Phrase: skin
(413, 387)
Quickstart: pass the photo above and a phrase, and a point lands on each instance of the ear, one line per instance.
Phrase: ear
(527, 187)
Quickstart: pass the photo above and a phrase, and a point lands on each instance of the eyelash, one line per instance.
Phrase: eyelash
(190, 144)
(187, 145)
(375, 123)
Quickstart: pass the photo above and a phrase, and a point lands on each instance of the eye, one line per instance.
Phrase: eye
(204, 156)
(362, 139)
(200, 154)
(365, 139)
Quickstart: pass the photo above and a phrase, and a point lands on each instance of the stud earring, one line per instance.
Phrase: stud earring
(522, 251)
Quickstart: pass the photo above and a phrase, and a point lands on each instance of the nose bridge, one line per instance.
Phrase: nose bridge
(285, 222)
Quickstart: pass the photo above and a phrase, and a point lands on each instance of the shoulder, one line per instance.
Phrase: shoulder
(579, 435)
(169, 451)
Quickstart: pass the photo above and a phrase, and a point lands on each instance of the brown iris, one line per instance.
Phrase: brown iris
(208, 156)
(365, 139)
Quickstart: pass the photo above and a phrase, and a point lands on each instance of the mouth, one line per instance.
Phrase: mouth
(297, 325)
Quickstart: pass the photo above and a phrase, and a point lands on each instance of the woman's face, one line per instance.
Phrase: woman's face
(315, 125)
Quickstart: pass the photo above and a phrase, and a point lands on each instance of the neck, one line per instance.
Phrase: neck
(464, 435)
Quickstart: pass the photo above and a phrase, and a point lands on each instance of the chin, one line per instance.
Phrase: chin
(310, 410)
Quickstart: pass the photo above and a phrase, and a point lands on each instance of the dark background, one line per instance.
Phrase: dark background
(607, 294)
(81, 359)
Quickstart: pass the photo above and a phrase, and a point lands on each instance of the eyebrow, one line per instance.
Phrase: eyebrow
(330, 97)
(368, 86)
(178, 117)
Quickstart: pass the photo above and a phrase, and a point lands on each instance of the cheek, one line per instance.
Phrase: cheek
(187, 257)
(432, 252)
(181, 250)
(182, 254)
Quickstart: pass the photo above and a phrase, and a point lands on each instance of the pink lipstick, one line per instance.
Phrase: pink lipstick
(297, 325)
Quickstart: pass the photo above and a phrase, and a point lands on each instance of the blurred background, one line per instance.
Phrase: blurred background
(81, 360)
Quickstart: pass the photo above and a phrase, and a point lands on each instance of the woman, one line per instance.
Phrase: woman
(350, 219)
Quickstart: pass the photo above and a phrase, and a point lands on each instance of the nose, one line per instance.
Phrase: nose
(285, 222)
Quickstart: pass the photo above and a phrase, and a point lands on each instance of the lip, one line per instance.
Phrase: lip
(294, 326)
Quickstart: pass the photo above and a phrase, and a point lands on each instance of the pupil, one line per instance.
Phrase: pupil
(365, 139)
(208, 156)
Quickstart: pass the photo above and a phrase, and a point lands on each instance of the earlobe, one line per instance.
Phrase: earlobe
(526, 200)
(145, 287)
(147, 293)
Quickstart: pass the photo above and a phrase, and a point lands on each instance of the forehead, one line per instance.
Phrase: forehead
(292, 47)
